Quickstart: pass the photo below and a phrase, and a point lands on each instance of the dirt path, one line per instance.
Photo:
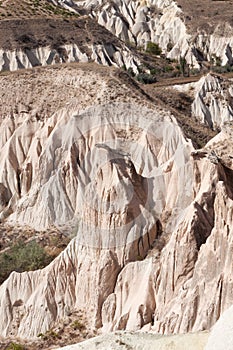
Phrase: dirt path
(186, 80)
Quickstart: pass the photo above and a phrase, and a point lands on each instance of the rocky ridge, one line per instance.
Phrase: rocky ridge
(153, 212)
(123, 225)
(96, 154)
(49, 41)
(139, 22)
(212, 100)
(136, 23)
(167, 23)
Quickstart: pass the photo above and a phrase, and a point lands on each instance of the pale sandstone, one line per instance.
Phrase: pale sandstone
(153, 247)
(212, 100)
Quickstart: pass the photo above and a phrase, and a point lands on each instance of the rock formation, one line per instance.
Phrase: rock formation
(135, 23)
(89, 163)
(43, 44)
(139, 22)
(212, 99)
(153, 246)
(85, 149)
(167, 23)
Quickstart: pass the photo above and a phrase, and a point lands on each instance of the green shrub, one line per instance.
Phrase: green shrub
(154, 71)
(222, 69)
(131, 72)
(78, 325)
(23, 257)
(15, 346)
(153, 48)
(168, 69)
(215, 60)
(49, 335)
(146, 78)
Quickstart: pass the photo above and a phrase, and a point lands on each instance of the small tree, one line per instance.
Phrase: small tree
(184, 67)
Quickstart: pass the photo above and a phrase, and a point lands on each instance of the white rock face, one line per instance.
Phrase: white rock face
(115, 165)
(153, 248)
(221, 336)
(66, 4)
(142, 21)
(136, 23)
(212, 100)
(33, 300)
(161, 22)
(103, 54)
(217, 45)
(37, 176)
(181, 300)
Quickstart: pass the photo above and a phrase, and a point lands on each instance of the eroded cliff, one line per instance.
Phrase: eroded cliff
(154, 213)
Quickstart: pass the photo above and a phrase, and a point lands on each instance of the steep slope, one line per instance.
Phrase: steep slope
(43, 41)
(181, 280)
(153, 212)
(85, 149)
(168, 23)
(139, 22)
(181, 29)
(89, 162)
(212, 100)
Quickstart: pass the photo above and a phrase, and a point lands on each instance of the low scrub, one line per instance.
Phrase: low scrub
(23, 257)
(153, 48)
(15, 346)
(146, 78)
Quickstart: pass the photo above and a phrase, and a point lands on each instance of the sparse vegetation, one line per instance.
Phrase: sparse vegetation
(49, 335)
(146, 78)
(15, 346)
(215, 60)
(23, 257)
(33, 8)
(183, 67)
(153, 48)
(78, 325)
(222, 69)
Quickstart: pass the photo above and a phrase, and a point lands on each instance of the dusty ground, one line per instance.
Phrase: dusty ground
(28, 33)
(206, 14)
(143, 341)
(37, 89)
(31, 8)
(180, 105)
(71, 330)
